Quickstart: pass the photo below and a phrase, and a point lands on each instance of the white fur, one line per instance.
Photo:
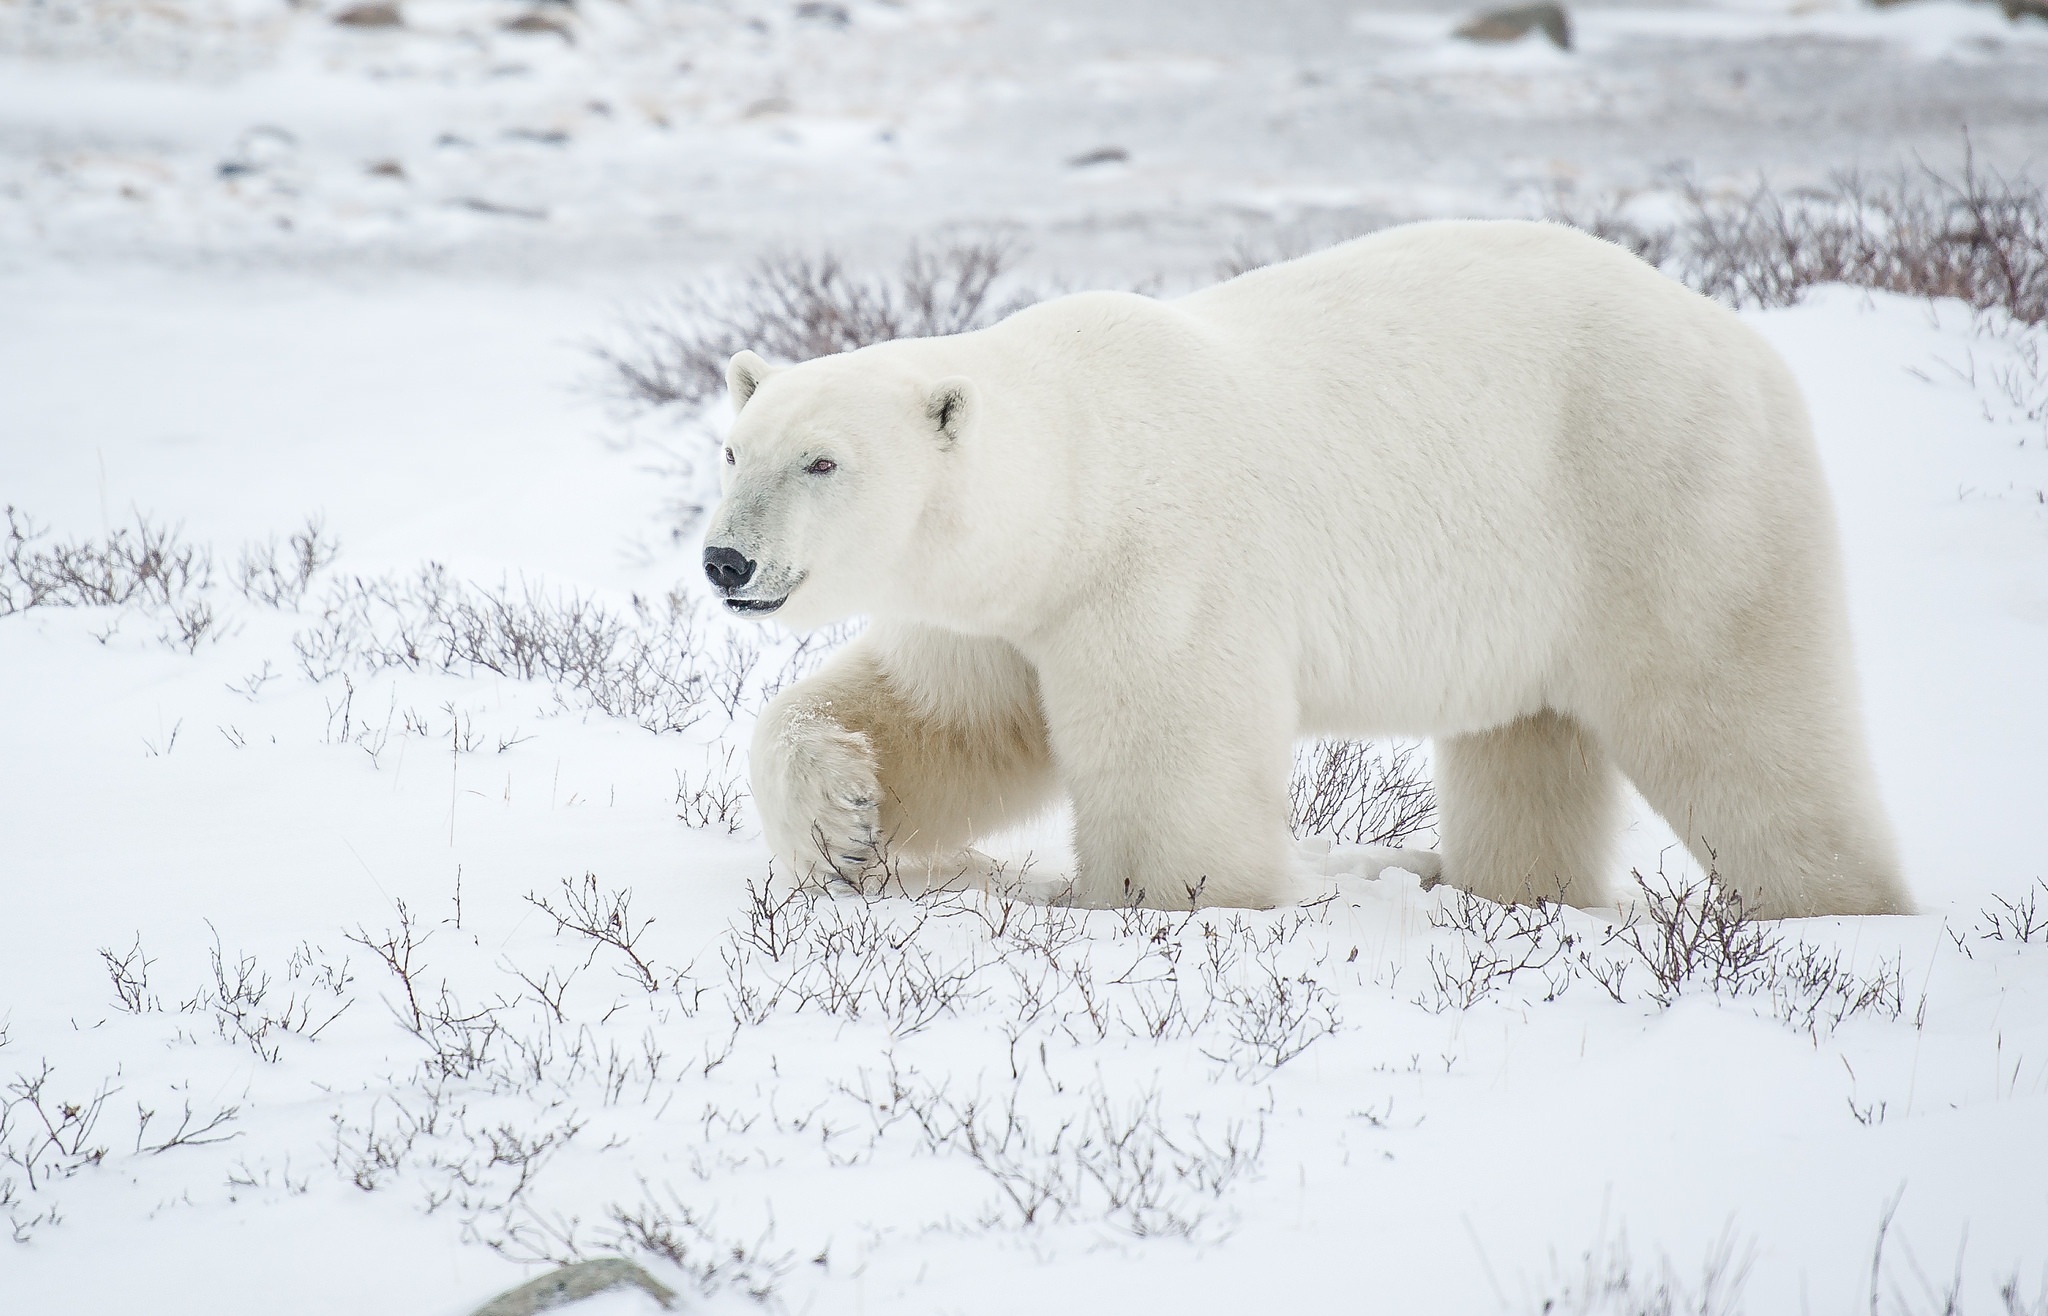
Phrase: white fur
(1501, 484)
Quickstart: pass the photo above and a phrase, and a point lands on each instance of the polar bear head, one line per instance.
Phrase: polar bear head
(826, 478)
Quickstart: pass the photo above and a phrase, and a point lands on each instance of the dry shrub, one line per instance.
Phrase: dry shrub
(2022, 920)
(1612, 1281)
(795, 307)
(688, 1239)
(48, 1137)
(1498, 943)
(263, 578)
(148, 564)
(1361, 793)
(1697, 935)
(1979, 237)
(643, 665)
(1905, 1288)
(1686, 936)
(151, 567)
(1975, 235)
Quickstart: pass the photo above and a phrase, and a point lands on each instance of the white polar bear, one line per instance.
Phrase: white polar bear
(1501, 484)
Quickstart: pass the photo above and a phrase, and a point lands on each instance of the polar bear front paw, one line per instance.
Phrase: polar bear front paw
(819, 798)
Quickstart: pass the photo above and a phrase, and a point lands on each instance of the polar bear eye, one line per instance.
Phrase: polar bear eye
(729, 457)
(822, 466)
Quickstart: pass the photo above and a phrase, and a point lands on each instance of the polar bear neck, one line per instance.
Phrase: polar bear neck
(1032, 504)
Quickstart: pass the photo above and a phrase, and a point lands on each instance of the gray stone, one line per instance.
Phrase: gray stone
(377, 13)
(575, 1282)
(1100, 155)
(1501, 25)
(539, 22)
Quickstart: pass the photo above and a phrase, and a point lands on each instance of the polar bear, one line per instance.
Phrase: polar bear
(1497, 483)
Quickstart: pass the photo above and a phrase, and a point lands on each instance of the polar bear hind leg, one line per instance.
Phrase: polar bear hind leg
(902, 749)
(1774, 797)
(1528, 811)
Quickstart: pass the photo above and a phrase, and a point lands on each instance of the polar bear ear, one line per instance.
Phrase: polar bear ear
(950, 406)
(743, 374)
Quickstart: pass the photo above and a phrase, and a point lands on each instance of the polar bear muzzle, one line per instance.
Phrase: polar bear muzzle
(729, 571)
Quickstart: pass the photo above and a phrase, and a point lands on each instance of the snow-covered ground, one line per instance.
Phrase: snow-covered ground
(956, 1106)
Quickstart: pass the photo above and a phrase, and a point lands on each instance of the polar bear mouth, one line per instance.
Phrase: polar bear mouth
(758, 607)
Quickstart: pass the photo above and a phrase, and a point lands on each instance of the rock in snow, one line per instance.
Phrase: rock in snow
(1502, 25)
(375, 14)
(573, 1283)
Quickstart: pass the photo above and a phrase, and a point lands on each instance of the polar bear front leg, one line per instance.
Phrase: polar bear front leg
(904, 748)
(1179, 784)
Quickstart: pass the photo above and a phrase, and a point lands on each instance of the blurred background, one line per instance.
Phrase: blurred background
(622, 140)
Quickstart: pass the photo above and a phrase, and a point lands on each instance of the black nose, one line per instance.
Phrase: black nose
(728, 568)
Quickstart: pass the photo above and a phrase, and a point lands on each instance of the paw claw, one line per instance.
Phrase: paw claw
(816, 789)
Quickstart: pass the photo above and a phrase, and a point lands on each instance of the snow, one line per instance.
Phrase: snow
(231, 353)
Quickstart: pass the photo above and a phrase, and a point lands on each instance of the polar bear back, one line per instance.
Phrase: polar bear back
(1454, 467)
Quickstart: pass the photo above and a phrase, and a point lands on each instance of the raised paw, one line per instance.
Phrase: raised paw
(820, 802)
